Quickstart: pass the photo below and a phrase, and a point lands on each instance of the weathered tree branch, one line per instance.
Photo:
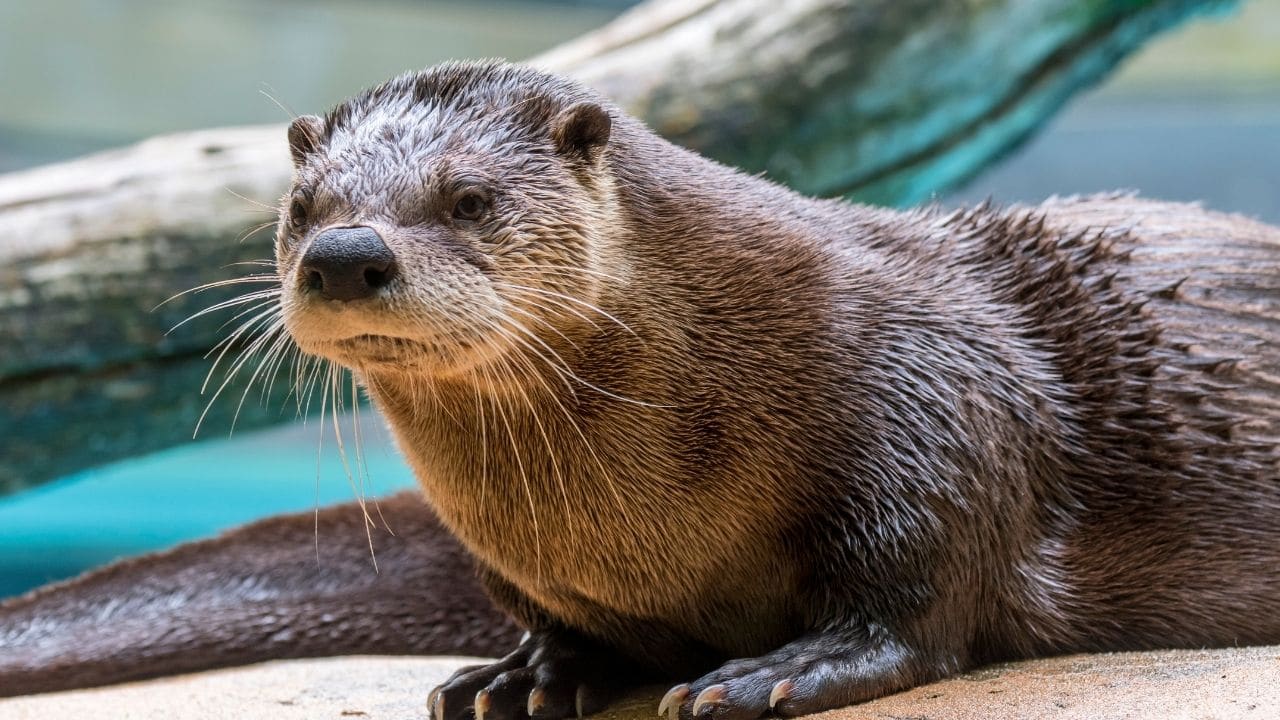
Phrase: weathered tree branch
(887, 100)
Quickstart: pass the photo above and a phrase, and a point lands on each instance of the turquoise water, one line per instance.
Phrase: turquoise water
(157, 501)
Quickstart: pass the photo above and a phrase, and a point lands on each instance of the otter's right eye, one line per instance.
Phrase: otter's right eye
(297, 214)
(469, 207)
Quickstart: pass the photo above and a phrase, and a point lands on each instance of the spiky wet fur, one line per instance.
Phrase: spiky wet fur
(727, 416)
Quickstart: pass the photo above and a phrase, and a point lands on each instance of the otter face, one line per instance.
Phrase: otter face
(442, 220)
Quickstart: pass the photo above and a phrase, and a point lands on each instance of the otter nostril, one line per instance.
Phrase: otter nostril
(348, 263)
(377, 278)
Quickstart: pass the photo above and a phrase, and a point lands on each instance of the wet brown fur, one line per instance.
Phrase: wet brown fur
(298, 585)
(941, 438)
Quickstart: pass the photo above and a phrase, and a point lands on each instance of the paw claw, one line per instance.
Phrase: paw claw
(781, 691)
(672, 701)
(579, 698)
(713, 695)
(537, 698)
(482, 704)
(435, 704)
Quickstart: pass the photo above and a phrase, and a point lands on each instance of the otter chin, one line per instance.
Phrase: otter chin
(783, 453)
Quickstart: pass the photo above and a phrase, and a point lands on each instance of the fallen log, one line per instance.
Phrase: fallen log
(889, 101)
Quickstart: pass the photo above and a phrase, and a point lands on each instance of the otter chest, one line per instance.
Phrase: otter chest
(700, 590)
(588, 533)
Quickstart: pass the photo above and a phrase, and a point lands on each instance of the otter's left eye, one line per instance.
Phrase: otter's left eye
(469, 207)
(297, 214)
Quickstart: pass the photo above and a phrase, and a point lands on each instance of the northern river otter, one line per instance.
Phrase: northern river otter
(787, 453)
(791, 453)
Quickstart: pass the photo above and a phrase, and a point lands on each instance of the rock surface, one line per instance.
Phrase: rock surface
(1229, 683)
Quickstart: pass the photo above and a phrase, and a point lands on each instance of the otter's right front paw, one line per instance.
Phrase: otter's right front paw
(546, 678)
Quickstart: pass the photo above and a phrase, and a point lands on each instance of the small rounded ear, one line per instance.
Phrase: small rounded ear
(304, 136)
(581, 130)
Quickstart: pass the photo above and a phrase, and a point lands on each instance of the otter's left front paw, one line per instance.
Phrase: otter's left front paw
(807, 676)
(549, 677)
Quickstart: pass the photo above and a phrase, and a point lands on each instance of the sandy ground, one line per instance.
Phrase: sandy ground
(1169, 685)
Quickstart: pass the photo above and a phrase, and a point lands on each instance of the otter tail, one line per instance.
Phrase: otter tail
(291, 586)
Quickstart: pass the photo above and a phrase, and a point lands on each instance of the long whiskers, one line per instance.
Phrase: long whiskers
(529, 389)
(259, 334)
(524, 479)
(256, 229)
(332, 392)
(505, 366)
(260, 278)
(264, 207)
(267, 298)
(361, 466)
(518, 333)
(551, 393)
(268, 319)
(566, 298)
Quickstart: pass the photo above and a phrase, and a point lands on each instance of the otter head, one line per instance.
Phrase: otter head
(446, 218)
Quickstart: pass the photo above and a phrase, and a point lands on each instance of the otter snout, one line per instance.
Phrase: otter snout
(347, 263)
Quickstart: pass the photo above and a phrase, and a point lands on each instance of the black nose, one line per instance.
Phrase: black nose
(348, 263)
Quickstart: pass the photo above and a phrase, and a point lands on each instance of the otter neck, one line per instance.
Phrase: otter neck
(527, 485)
(497, 442)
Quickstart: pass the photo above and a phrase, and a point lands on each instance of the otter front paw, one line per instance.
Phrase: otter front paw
(806, 676)
(548, 677)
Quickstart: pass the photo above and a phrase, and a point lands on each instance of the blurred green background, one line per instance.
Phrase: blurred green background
(1194, 116)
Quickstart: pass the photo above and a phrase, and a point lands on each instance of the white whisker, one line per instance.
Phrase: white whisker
(260, 278)
(569, 298)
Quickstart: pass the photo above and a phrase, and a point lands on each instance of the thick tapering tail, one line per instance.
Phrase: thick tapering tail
(291, 586)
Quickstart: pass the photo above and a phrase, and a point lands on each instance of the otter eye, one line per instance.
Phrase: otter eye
(469, 207)
(297, 214)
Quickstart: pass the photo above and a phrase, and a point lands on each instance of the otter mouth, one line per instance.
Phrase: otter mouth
(370, 340)
(380, 349)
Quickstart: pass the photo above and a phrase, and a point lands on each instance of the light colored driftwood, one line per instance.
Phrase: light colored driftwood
(888, 99)
(88, 249)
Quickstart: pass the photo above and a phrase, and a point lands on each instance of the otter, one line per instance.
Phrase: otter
(783, 454)
(786, 453)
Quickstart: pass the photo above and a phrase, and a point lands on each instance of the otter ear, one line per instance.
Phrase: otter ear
(581, 130)
(304, 136)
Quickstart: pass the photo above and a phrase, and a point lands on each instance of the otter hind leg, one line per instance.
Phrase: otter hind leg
(814, 673)
(553, 674)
